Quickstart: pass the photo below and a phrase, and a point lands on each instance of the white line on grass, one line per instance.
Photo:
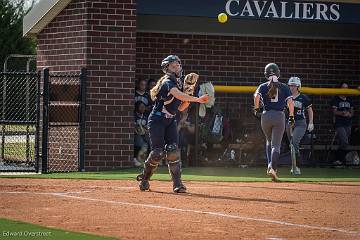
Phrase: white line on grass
(217, 214)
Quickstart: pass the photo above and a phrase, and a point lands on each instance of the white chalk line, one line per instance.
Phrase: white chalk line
(166, 187)
(275, 238)
(217, 214)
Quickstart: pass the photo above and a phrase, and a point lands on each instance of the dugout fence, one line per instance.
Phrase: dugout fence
(20, 101)
(63, 122)
(42, 131)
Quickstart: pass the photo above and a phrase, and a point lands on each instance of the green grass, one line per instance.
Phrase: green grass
(17, 151)
(18, 128)
(8, 227)
(215, 174)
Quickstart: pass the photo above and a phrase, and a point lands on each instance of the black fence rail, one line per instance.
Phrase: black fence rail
(63, 122)
(19, 122)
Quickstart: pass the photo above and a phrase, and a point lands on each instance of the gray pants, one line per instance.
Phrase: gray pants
(298, 133)
(273, 127)
(343, 134)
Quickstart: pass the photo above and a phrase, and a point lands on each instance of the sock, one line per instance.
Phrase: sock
(275, 157)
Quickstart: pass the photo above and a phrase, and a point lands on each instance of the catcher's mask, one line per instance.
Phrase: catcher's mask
(169, 59)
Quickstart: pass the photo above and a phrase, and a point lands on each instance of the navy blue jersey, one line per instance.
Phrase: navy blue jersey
(141, 119)
(143, 97)
(165, 100)
(301, 103)
(342, 105)
(278, 102)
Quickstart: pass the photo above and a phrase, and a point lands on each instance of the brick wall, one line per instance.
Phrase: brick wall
(62, 44)
(111, 61)
(98, 35)
(228, 60)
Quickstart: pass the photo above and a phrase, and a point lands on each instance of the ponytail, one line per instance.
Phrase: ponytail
(155, 90)
(273, 89)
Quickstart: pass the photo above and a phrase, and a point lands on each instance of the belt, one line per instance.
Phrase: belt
(165, 115)
(266, 109)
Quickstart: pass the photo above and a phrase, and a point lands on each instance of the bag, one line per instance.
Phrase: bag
(216, 129)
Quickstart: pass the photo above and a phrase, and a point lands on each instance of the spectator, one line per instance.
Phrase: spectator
(141, 94)
(150, 84)
(343, 112)
(141, 137)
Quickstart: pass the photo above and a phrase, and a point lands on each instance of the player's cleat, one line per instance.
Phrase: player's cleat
(295, 171)
(139, 177)
(144, 185)
(272, 173)
(180, 189)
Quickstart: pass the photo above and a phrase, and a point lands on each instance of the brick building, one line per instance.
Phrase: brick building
(119, 41)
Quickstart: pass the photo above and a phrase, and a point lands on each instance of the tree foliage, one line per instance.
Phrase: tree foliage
(11, 32)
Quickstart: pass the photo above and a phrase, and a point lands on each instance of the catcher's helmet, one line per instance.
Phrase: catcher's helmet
(271, 69)
(169, 59)
(295, 81)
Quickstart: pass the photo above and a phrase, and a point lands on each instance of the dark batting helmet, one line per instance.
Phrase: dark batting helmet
(272, 69)
(169, 59)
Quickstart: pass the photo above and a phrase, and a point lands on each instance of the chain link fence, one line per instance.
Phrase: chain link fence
(63, 122)
(48, 126)
(19, 127)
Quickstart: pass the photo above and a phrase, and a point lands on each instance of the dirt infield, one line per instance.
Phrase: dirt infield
(211, 210)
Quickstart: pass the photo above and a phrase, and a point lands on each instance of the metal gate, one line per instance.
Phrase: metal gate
(19, 123)
(42, 132)
(63, 122)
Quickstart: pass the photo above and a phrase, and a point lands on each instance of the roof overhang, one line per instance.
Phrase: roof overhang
(41, 15)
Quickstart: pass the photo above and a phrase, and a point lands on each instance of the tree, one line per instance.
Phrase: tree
(11, 36)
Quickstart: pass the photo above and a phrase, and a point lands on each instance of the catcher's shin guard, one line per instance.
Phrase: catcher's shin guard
(150, 166)
(175, 173)
(174, 165)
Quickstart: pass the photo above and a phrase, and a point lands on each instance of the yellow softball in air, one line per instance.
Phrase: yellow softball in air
(222, 18)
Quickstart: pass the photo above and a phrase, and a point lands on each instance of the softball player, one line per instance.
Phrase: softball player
(168, 100)
(273, 95)
(301, 102)
(343, 111)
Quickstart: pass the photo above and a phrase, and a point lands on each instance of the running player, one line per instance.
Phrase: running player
(301, 103)
(274, 96)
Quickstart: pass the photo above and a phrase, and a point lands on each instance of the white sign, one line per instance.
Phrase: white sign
(283, 10)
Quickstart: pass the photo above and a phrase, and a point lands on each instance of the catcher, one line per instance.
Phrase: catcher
(168, 100)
